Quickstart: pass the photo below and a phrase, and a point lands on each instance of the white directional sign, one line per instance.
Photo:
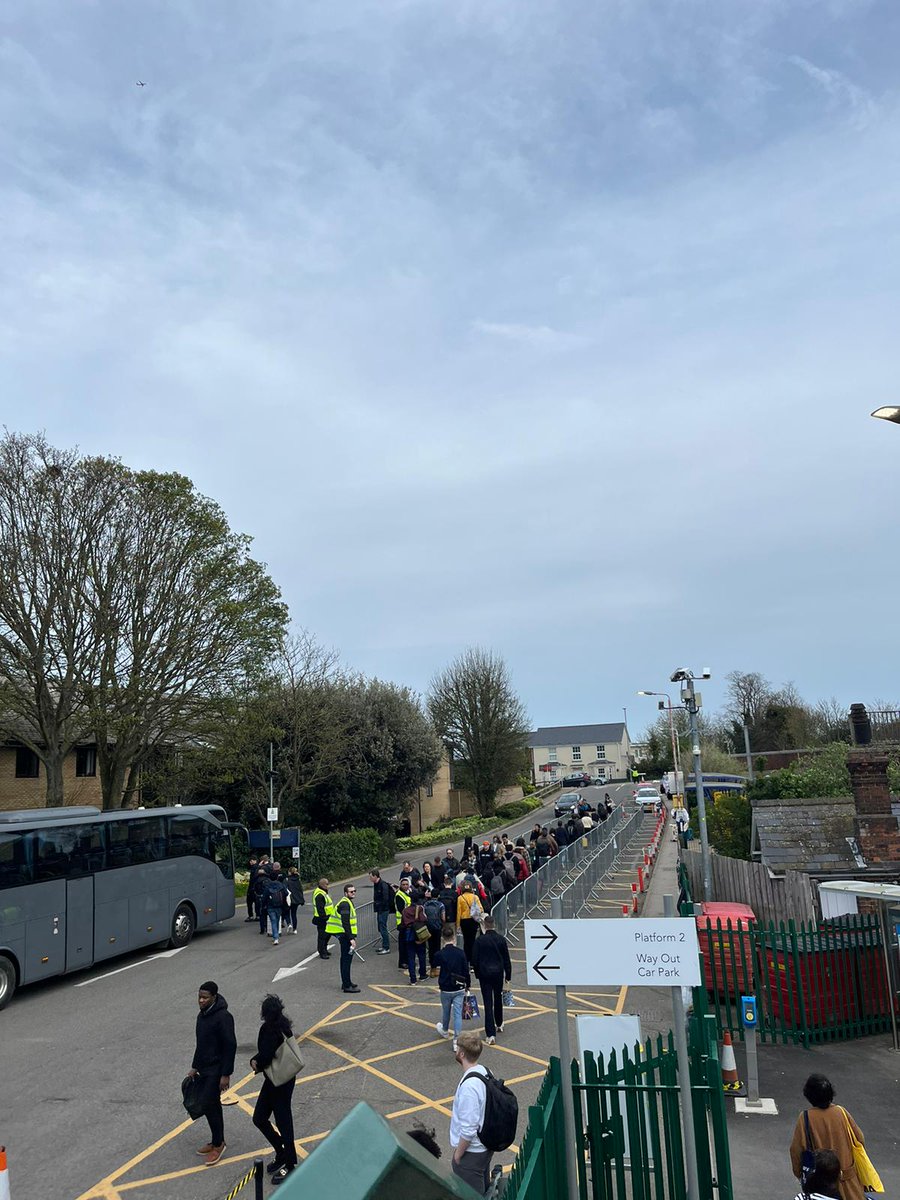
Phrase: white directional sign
(655, 952)
(271, 815)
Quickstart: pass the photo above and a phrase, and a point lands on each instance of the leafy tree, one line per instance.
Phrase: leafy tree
(482, 722)
(728, 822)
(822, 774)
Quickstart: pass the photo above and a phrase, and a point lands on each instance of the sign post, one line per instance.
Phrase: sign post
(749, 1022)
(650, 952)
(565, 1058)
(684, 1067)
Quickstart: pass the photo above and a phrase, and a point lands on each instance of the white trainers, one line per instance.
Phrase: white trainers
(275, 943)
(441, 1030)
(455, 1045)
(491, 1040)
(499, 1028)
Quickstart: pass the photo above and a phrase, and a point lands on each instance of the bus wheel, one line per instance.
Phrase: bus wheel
(7, 981)
(183, 925)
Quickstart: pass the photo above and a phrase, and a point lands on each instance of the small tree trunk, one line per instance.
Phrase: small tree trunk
(112, 778)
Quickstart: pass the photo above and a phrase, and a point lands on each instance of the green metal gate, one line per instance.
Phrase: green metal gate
(628, 1126)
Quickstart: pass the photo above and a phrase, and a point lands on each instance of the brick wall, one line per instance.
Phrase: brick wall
(32, 793)
(877, 830)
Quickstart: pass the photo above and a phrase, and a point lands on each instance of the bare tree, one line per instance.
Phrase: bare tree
(749, 693)
(482, 722)
(52, 505)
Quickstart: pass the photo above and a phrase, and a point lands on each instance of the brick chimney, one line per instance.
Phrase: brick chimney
(877, 830)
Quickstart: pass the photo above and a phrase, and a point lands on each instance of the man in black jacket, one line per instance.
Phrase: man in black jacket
(383, 906)
(491, 964)
(213, 1062)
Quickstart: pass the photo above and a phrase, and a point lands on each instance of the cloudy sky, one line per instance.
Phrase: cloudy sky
(548, 327)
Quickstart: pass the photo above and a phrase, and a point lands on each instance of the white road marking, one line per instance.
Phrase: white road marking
(284, 972)
(140, 962)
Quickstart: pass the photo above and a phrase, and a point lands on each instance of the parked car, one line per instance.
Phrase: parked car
(647, 797)
(576, 779)
(600, 781)
(566, 802)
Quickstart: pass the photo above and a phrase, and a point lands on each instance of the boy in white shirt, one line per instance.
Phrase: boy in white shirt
(471, 1161)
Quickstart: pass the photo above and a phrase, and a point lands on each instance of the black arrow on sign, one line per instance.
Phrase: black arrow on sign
(540, 964)
(542, 937)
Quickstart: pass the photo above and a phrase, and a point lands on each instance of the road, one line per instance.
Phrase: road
(92, 1063)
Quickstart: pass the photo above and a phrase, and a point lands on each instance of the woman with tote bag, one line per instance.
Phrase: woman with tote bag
(278, 1056)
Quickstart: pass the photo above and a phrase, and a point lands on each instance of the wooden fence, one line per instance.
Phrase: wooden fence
(788, 898)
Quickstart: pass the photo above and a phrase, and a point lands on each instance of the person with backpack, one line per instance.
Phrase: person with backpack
(483, 1118)
(497, 882)
(276, 898)
(260, 885)
(435, 917)
(448, 897)
(491, 964)
(469, 913)
(414, 931)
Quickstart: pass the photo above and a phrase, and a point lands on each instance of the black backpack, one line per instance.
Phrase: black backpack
(501, 1113)
(497, 886)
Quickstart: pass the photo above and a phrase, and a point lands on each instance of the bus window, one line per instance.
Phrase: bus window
(189, 835)
(221, 843)
(50, 851)
(14, 867)
(133, 842)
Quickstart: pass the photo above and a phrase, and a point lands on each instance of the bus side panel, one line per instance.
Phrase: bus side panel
(79, 923)
(45, 929)
(149, 916)
(110, 927)
(194, 882)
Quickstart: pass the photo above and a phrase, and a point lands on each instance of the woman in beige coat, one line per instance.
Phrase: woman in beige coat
(827, 1131)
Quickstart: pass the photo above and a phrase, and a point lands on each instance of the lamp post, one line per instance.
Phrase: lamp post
(675, 755)
(689, 699)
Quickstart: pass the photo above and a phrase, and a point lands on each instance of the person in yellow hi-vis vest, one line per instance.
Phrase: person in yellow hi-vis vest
(342, 923)
(323, 907)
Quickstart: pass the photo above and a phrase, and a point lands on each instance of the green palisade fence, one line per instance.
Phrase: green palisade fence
(815, 982)
(628, 1126)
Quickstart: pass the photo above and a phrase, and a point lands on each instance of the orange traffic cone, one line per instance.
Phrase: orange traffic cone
(730, 1081)
(4, 1175)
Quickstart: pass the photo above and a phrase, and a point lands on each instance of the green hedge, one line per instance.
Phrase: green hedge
(336, 855)
(453, 830)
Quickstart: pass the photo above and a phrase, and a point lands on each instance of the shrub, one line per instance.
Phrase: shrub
(465, 826)
(340, 855)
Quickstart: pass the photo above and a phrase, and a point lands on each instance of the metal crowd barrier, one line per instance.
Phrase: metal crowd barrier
(572, 874)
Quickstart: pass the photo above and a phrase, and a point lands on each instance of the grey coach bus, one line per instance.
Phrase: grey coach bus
(78, 886)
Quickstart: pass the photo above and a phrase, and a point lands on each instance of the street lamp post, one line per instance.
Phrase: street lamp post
(689, 697)
(675, 755)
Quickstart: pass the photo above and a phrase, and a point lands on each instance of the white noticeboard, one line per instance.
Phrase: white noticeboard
(656, 952)
(272, 815)
(295, 851)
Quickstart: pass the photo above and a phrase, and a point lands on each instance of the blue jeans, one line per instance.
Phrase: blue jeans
(383, 930)
(274, 915)
(454, 1001)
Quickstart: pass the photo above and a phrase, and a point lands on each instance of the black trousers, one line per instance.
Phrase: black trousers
(434, 945)
(322, 939)
(468, 927)
(492, 995)
(401, 948)
(346, 959)
(214, 1113)
(250, 902)
(277, 1101)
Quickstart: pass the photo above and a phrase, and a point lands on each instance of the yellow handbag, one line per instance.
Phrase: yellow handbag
(868, 1176)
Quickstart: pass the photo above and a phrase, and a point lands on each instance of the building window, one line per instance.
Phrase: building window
(429, 791)
(601, 752)
(551, 754)
(28, 765)
(85, 760)
(576, 754)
